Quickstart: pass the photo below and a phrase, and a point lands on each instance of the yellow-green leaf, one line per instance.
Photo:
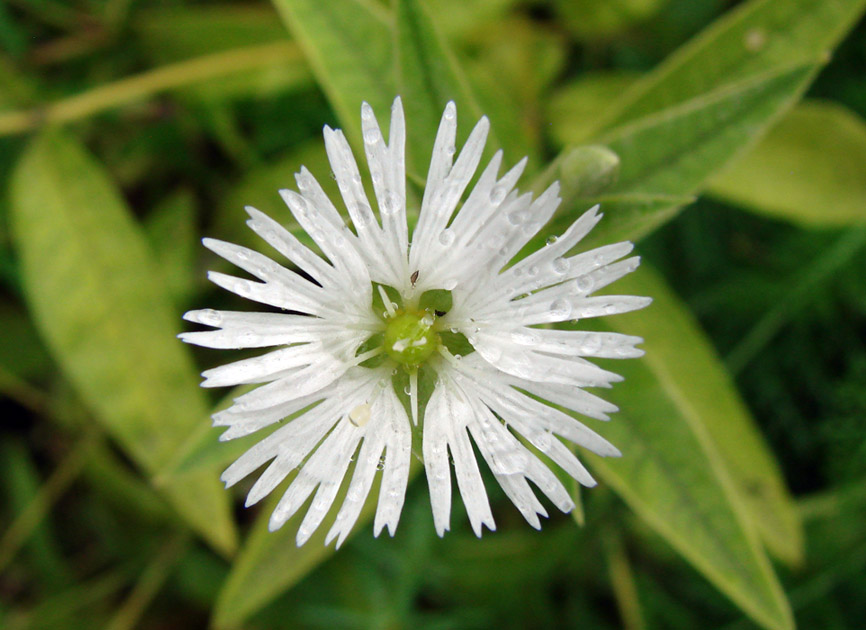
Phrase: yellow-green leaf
(809, 169)
(97, 299)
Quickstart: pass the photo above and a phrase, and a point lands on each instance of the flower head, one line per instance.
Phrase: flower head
(441, 338)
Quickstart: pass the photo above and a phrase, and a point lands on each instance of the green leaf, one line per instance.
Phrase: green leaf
(671, 154)
(171, 34)
(171, 230)
(590, 20)
(809, 169)
(348, 45)
(674, 151)
(458, 17)
(97, 300)
(630, 217)
(427, 78)
(270, 562)
(574, 108)
(755, 38)
(695, 466)
(716, 95)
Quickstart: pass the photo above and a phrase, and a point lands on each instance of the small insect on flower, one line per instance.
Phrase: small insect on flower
(358, 327)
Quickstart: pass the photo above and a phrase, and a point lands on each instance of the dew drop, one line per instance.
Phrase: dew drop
(584, 284)
(496, 241)
(427, 320)
(450, 111)
(299, 205)
(497, 195)
(532, 271)
(361, 214)
(552, 239)
(560, 265)
(242, 287)
(449, 284)
(381, 464)
(360, 415)
(592, 344)
(372, 136)
(560, 309)
(518, 217)
(391, 203)
(446, 237)
(210, 317)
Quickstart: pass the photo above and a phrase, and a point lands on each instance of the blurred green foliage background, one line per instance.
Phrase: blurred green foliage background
(131, 128)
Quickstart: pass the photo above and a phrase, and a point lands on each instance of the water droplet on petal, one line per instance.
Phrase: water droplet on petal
(518, 217)
(210, 317)
(449, 284)
(560, 265)
(592, 344)
(560, 309)
(391, 203)
(497, 195)
(360, 415)
(446, 237)
(372, 136)
(584, 284)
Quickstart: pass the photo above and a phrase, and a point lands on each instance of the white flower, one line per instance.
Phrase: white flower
(360, 327)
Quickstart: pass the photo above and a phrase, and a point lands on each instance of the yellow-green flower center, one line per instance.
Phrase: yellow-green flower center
(410, 337)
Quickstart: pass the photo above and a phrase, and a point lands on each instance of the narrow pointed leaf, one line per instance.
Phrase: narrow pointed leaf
(674, 151)
(696, 467)
(95, 294)
(755, 38)
(348, 44)
(428, 76)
